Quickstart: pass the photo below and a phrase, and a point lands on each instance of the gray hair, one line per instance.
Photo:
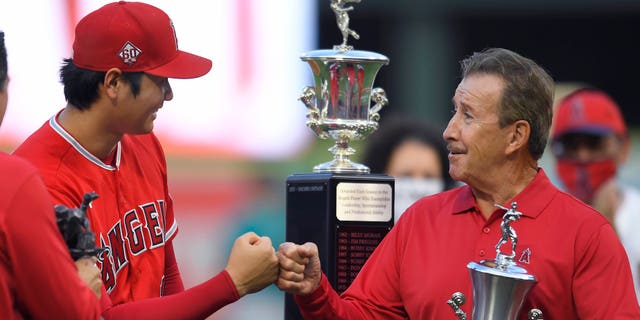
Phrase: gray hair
(527, 95)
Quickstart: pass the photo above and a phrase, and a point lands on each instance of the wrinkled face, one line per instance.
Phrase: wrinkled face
(138, 112)
(415, 159)
(475, 141)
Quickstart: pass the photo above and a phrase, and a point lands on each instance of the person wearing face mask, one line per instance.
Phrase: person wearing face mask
(590, 142)
(414, 154)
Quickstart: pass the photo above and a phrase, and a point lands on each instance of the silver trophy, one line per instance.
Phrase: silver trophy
(339, 103)
(499, 286)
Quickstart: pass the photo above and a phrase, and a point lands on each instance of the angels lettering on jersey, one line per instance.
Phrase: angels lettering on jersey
(140, 229)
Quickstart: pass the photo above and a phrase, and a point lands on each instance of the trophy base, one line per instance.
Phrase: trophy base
(341, 166)
(345, 215)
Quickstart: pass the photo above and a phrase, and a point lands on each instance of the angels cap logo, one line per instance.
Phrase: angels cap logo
(129, 53)
(577, 109)
(175, 37)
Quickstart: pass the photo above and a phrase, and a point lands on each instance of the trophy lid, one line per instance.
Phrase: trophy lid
(348, 55)
(511, 270)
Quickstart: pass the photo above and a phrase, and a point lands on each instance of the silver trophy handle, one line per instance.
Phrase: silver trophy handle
(534, 314)
(308, 97)
(456, 301)
(379, 97)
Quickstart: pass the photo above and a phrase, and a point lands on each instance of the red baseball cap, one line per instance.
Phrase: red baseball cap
(135, 37)
(588, 111)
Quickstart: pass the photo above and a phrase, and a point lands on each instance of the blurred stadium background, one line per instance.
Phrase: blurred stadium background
(233, 136)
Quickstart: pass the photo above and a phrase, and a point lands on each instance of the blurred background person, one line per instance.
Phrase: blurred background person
(589, 143)
(413, 152)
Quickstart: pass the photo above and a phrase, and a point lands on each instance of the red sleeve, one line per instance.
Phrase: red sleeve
(172, 282)
(46, 279)
(322, 303)
(374, 293)
(602, 264)
(196, 303)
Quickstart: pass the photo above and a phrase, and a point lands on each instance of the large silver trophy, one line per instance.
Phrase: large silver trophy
(341, 206)
(339, 103)
(499, 286)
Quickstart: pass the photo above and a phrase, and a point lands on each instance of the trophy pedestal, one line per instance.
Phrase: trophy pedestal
(346, 215)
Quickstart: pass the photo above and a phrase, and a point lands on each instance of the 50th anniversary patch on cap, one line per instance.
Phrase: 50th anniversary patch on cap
(129, 53)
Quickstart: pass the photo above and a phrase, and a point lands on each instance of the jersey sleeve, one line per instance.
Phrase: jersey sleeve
(46, 279)
(196, 303)
(172, 282)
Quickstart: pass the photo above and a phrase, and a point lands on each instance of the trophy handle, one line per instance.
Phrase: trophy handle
(379, 97)
(313, 114)
(456, 301)
(534, 314)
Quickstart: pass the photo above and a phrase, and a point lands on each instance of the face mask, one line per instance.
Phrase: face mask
(409, 190)
(582, 179)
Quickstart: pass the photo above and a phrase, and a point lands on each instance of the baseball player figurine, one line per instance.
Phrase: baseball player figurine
(76, 232)
(342, 16)
(508, 233)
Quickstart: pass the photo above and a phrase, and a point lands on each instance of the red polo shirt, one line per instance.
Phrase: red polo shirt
(581, 267)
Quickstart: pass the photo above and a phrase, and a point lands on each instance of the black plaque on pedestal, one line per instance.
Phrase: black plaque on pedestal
(346, 215)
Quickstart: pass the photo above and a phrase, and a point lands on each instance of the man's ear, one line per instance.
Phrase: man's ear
(112, 82)
(625, 149)
(518, 136)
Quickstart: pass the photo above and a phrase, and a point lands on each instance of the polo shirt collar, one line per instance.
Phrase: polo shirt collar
(531, 201)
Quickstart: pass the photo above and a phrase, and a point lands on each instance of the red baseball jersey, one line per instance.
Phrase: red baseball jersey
(32, 250)
(133, 216)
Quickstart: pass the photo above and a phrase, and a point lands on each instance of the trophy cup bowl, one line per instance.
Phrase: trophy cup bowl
(339, 103)
(498, 293)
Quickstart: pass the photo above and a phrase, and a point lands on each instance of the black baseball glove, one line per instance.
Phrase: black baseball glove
(74, 226)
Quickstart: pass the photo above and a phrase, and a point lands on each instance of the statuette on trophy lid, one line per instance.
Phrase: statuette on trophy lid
(508, 234)
(339, 104)
(342, 18)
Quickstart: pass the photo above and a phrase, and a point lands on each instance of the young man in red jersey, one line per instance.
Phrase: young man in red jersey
(31, 247)
(498, 132)
(102, 141)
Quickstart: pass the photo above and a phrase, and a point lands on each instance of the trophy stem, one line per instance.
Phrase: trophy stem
(341, 162)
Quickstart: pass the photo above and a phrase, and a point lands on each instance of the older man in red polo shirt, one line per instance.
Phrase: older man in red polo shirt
(497, 134)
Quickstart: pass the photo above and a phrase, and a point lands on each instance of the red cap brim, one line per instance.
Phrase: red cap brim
(184, 66)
